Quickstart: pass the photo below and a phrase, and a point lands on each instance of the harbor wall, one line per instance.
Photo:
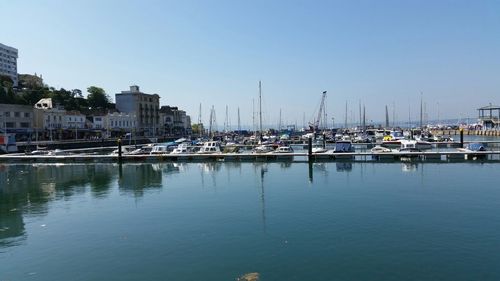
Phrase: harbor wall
(491, 133)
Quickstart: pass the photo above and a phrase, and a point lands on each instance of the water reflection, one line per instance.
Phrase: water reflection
(26, 190)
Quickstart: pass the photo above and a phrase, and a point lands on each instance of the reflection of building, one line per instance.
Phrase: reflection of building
(489, 116)
(8, 62)
(144, 106)
(135, 178)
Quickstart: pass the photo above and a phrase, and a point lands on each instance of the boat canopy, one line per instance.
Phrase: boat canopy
(342, 146)
(476, 146)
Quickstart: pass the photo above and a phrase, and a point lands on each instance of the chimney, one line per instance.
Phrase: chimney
(134, 88)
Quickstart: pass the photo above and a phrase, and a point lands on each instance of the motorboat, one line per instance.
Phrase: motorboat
(181, 149)
(160, 148)
(415, 144)
(380, 149)
(318, 148)
(283, 149)
(263, 148)
(472, 147)
(409, 146)
(210, 147)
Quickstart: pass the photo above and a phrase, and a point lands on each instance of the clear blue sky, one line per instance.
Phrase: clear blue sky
(215, 52)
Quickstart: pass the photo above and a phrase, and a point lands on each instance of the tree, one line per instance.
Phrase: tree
(76, 93)
(97, 98)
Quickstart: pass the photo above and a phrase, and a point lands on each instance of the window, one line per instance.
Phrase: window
(25, 124)
(7, 114)
(17, 114)
(27, 115)
(9, 124)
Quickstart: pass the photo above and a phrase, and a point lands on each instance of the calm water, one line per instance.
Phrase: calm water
(217, 221)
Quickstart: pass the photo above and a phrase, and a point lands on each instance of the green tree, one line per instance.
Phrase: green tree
(97, 98)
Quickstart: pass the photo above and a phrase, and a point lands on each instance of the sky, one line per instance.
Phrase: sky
(214, 53)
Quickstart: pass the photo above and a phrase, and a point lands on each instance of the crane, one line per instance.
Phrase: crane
(315, 125)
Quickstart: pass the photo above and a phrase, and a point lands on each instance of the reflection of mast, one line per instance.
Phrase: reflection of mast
(262, 197)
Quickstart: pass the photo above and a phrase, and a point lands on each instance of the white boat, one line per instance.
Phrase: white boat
(181, 149)
(318, 148)
(415, 144)
(210, 147)
(380, 149)
(263, 149)
(409, 146)
(283, 149)
(57, 152)
(160, 149)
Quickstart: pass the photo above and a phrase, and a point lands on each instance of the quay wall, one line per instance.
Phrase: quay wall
(491, 133)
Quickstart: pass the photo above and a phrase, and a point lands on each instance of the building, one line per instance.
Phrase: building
(144, 106)
(18, 119)
(48, 119)
(8, 62)
(175, 121)
(489, 117)
(117, 124)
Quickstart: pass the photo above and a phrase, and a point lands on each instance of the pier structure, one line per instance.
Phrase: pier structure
(427, 156)
(489, 116)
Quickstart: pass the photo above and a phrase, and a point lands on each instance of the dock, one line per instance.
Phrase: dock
(427, 156)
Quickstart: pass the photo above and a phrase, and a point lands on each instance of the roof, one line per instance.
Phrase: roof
(488, 107)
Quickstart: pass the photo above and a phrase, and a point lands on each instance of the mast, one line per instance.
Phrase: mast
(199, 122)
(393, 114)
(279, 124)
(421, 112)
(260, 109)
(253, 116)
(360, 119)
(210, 122)
(303, 120)
(199, 115)
(226, 121)
(364, 118)
(345, 124)
(386, 117)
(239, 124)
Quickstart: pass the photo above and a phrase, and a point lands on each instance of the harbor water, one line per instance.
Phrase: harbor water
(218, 221)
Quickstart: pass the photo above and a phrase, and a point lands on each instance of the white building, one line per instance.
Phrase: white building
(8, 62)
(117, 124)
(74, 120)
